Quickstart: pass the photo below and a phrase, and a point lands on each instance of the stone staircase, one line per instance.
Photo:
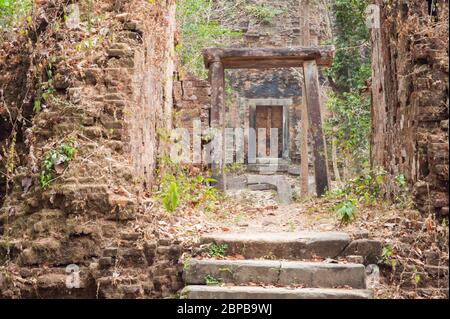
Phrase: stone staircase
(298, 265)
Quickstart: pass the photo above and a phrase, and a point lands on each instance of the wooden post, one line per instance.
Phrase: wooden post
(313, 101)
(223, 122)
(304, 130)
(380, 64)
(217, 79)
(304, 165)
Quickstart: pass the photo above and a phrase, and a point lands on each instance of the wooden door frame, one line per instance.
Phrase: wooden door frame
(308, 58)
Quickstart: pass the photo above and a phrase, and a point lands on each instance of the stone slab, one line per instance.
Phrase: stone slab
(307, 274)
(262, 187)
(284, 189)
(236, 182)
(245, 292)
(368, 248)
(287, 245)
(322, 275)
(294, 170)
(232, 271)
(267, 169)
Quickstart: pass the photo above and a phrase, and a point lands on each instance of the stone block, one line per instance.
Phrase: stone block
(132, 256)
(110, 252)
(105, 262)
(236, 182)
(369, 249)
(291, 245)
(248, 292)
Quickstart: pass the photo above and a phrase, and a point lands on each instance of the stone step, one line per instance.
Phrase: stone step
(287, 245)
(274, 272)
(267, 169)
(296, 245)
(251, 292)
(271, 160)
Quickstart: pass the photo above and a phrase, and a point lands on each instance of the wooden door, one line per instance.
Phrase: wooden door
(269, 116)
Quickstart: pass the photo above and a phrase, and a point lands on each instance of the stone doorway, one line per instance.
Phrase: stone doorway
(309, 58)
(264, 114)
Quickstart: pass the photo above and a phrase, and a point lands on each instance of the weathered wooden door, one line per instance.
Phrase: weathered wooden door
(268, 117)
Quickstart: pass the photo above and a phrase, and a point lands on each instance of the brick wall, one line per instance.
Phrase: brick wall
(191, 98)
(94, 214)
(410, 99)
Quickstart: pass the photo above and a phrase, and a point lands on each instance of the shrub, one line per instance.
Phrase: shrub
(217, 250)
(12, 11)
(262, 13)
(199, 30)
(54, 162)
(170, 200)
(346, 211)
(178, 186)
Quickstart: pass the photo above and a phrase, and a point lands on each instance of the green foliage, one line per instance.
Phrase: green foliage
(366, 188)
(234, 168)
(217, 250)
(401, 195)
(178, 186)
(369, 189)
(262, 12)
(415, 276)
(351, 63)
(349, 106)
(226, 270)
(400, 180)
(211, 281)
(45, 90)
(54, 160)
(350, 125)
(170, 200)
(291, 225)
(11, 11)
(199, 30)
(387, 257)
(346, 211)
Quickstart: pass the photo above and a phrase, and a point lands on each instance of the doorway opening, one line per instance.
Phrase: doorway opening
(269, 117)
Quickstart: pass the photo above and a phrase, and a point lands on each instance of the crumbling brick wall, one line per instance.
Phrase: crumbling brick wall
(110, 98)
(192, 101)
(410, 98)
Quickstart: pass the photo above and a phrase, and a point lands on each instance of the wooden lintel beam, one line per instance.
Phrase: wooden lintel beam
(262, 58)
